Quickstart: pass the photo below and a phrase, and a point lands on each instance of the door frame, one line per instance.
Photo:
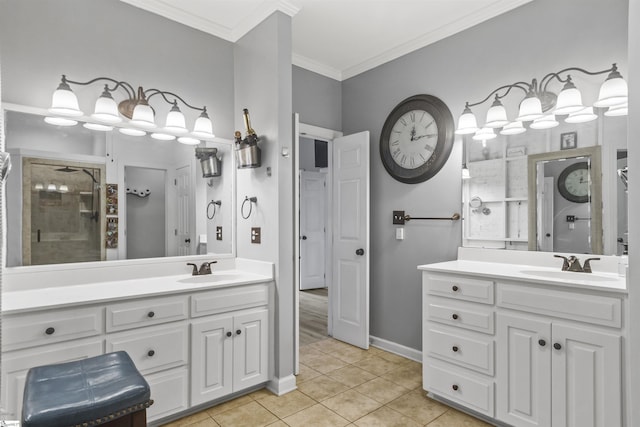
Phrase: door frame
(315, 132)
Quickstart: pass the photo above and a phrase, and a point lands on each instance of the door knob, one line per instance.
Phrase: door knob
(542, 343)
(557, 346)
(304, 237)
(187, 240)
(548, 234)
(360, 251)
(229, 334)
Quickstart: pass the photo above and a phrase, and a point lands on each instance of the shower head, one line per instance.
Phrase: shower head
(95, 181)
(66, 169)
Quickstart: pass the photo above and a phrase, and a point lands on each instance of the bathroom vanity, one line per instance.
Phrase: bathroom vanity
(196, 339)
(510, 337)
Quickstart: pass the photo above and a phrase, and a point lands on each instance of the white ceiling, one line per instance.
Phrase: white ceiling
(338, 38)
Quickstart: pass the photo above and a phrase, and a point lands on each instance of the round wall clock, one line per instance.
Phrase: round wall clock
(573, 182)
(416, 139)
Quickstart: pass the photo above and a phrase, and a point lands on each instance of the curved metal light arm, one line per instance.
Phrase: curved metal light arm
(526, 87)
(126, 86)
(151, 92)
(549, 77)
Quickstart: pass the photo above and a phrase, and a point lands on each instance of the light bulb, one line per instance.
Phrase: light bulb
(467, 122)
(175, 120)
(613, 91)
(530, 108)
(203, 127)
(64, 101)
(106, 109)
(143, 116)
(497, 115)
(569, 99)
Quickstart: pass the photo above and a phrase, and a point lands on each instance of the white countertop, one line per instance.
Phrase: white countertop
(67, 296)
(610, 282)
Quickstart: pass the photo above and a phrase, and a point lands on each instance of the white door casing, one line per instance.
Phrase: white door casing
(312, 229)
(351, 201)
(546, 237)
(183, 226)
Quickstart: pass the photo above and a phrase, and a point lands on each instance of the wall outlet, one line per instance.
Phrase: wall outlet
(571, 218)
(255, 234)
(218, 233)
(398, 217)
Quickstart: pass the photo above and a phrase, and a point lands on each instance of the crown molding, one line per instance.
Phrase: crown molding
(262, 13)
(316, 67)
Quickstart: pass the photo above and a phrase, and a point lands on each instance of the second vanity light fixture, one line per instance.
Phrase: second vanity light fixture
(541, 106)
(135, 107)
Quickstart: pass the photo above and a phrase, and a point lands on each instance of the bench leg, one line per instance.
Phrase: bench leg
(135, 419)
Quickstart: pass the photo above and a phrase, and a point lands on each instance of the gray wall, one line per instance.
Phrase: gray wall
(308, 154)
(318, 99)
(530, 41)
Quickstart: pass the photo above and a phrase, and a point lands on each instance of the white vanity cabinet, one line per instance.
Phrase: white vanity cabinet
(552, 356)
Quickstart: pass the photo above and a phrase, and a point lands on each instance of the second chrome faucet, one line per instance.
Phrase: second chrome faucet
(572, 263)
(205, 268)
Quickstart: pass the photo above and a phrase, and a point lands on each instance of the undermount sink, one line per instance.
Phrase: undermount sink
(567, 275)
(210, 278)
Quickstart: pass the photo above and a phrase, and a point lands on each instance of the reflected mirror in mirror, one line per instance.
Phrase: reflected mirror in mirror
(79, 195)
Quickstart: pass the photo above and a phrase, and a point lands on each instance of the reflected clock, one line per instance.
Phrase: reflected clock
(573, 182)
(416, 139)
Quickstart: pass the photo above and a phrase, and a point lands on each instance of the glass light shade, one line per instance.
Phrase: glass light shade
(38, 186)
(65, 102)
(175, 121)
(569, 101)
(98, 127)
(467, 123)
(617, 110)
(143, 117)
(51, 187)
(484, 134)
(613, 91)
(530, 109)
(545, 122)
(106, 109)
(513, 128)
(132, 132)
(203, 127)
(465, 172)
(582, 116)
(188, 140)
(497, 115)
(59, 121)
(162, 136)
(63, 188)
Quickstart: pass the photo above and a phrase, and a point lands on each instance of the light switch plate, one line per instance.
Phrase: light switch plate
(218, 233)
(255, 234)
(400, 233)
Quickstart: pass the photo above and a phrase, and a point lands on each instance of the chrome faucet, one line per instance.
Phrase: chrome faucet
(205, 268)
(573, 264)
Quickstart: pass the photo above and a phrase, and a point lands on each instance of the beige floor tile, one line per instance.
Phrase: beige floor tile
(261, 394)
(306, 373)
(392, 357)
(308, 351)
(189, 420)
(351, 405)
(381, 390)
(376, 365)
(208, 422)
(323, 363)
(406, 376)
(251, 414)
(316, 416)
(453, 418)
(386, 417)
(351, 376)
(278, 423)
(321, 388)
(288, 404)
(239, 401)
(413, 363)
(418, 407)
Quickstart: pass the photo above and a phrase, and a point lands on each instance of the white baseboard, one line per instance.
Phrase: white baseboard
(280, 386)
(399, 349)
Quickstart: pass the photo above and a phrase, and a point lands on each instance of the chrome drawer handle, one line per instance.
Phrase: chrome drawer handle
(49, 331)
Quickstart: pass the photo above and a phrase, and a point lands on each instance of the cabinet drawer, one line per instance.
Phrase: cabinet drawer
(452, 383)
(136, 314)
(463, 315)
(35, 329)
(169, 391)
(596, 309)
(471, 350)
(154, 348)
(461, 288)
(229, 299)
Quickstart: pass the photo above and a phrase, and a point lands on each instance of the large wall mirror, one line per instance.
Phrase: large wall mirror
(79, 195)
(582, 208)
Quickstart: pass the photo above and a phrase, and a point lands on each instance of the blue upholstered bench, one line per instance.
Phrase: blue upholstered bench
(103, 390)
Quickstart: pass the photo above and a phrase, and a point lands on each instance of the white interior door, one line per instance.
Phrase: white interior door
(312, 229)
(183, 228)
(350, 278)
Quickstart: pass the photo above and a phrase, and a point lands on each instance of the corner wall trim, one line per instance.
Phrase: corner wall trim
(280, 386)
(399, 349)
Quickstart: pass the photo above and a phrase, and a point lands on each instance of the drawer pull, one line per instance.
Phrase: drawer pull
(455, 387)
(150, 353)
(557, 346)
(542, 343)
(49, 331)
(229, 334)
(454, 316)
(238, 332)
(454, 288)
(455, 348)
(151, 314)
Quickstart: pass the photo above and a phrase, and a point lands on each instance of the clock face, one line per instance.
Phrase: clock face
(416, 139)
(574, 182)
(413, 139)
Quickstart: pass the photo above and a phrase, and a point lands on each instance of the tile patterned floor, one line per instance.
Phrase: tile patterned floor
(339, 385)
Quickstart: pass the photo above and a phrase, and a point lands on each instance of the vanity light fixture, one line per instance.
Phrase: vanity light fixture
(540, 106)
(135, 107)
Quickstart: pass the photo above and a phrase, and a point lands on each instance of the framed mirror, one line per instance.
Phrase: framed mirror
(565, 200)
(78, 195)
